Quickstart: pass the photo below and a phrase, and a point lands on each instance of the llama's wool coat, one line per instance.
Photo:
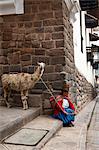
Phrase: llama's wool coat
(21, 82)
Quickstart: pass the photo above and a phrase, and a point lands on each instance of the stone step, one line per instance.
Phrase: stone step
(12, 119)
(34, 100)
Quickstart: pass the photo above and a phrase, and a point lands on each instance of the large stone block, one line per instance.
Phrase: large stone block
(35, 44)
(57, 85)
(5, 69)
(57, 5)
(38, 23)
(26, 57)
(58, 68)
(53, 76)
(45, 6)
(26, 63)
(58, 60)
(49, 69)
(52, 22)
(40, 51)
(59, 43)
(48, 44)
(14, 58)
(46, 104)
(44, 15)
(59, 35)
(15, 68)
(58, 13)
(3, 52)
(3, 60)
(55, 52)
(34, 100)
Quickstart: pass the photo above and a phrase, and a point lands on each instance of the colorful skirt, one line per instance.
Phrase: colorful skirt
(66, 118)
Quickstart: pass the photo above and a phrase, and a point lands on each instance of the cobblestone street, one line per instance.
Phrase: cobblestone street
(93, 132)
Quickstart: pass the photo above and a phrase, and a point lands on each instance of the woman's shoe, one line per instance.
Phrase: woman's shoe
(65, 125)
(68, 125)
(71, 125)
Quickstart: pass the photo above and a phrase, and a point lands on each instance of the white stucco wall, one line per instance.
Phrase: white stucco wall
(80, 58)
(11, 7)
(96, 30)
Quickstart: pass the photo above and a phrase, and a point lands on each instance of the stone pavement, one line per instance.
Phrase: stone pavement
(73, 138)
(93, 131)
(41, 123)
(69, 138)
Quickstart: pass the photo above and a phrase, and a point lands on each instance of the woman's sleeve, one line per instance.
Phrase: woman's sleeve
(71, 105)
(51, 99)
(58, 105)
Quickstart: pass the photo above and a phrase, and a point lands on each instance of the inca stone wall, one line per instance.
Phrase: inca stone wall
(37, 35)
(42, 33)
(85, 91)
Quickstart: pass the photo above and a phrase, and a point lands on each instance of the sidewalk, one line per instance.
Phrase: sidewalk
(40, 133)
(73, 138)
(31, 135)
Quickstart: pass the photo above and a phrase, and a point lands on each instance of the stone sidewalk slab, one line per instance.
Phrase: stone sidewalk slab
(11, 119)
(43, 123)
(26, 136)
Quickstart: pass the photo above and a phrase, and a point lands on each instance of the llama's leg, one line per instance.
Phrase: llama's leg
(26, 104)
(24, 99)
(27, 94)
(6, 97)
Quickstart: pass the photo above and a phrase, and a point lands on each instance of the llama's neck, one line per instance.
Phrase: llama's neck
(37, 73)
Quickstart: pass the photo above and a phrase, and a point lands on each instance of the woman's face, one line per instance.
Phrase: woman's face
(65, 93)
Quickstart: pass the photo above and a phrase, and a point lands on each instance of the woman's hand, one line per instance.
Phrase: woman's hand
(66, 113)
(75, 112)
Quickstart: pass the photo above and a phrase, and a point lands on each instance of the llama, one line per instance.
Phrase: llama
(21, 82)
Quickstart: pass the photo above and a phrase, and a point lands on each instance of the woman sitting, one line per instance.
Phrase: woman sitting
(63, 107)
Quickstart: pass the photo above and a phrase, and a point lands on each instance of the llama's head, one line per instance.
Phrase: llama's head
(42, 66)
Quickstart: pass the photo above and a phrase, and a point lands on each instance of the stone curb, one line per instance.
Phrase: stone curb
(85, 124)
(49, 135)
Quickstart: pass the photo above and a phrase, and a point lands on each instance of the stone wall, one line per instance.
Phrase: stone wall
(81, 92)
(84, 90)
(42, 33)
(37, 35)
